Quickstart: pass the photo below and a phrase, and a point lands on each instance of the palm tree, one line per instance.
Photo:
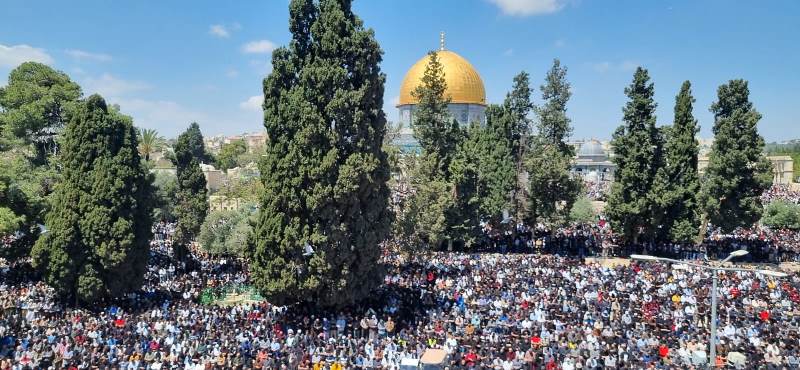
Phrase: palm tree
(149, 142)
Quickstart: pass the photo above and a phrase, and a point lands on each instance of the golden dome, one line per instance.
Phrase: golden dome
(464, 84)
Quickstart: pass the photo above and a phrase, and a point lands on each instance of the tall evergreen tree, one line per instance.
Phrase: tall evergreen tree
(99, 225)
(514, 117)
(676, 185)
(737, 171)
(551, 187)
(468, 172)
(493, 149)
(191, 205)
(437, 132)
(518, 106)
(637, 154)
(443, 164)
(552, 122)
(324, 172)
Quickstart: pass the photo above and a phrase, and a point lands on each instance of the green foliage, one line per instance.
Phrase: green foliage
(514, 126)
(676, 185)
(228, 156)
(552, 122)
(33, 108)
(422, 221)
(551, 188)
(227, 232)
(463, 215)
(781, 214)
(437, 132)
(190, 145)
(582, 211)
(99, 225)
(36, 104)
(324, 172)
(149, 142)
(191, 207)
(166, 190)
(492, 152)
(637, 147)
(738, 173)
(13, 206)
(246, 188)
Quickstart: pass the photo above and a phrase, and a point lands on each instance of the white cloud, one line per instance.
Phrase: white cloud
(219, 31)
(232, 73)
(396, 100)
(258, 47)
(108, 85)
(508, 52)
(252, 103)
(560, 43)
(529, 7)
(12, 56)
(81, 55)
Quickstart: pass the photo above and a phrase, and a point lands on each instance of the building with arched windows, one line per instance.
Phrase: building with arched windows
(593, 162)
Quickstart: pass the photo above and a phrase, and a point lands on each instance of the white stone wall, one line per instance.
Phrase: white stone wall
(463, 113)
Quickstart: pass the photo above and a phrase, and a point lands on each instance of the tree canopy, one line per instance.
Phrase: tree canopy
(324, 172)
(99, 225)
(738, 172)
(676, 185)
(637, 154)
(191, 205)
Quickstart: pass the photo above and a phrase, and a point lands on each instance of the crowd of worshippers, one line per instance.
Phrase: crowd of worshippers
(596, 190)
(487, 311)
(781, 192)
(764, 244)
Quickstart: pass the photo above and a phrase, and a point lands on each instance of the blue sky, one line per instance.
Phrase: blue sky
(168, 63)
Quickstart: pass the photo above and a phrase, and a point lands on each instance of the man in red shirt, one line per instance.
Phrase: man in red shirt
(471, 358)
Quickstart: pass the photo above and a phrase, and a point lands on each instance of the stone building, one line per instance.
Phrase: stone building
(782, 168)
(593, 162)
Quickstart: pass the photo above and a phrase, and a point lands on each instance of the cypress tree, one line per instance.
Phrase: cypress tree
(191, 205)
(324, 171)
(493, 146)
(551, 187)
(468, 187)
(637, 145)
(518, 106)
(676, 186)
(437, 132)
(737, 172)
(553, 124)
(513, 116)
(443, 164)
(99, 224)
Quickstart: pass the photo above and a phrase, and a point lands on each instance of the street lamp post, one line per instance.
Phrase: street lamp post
(714, 279)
